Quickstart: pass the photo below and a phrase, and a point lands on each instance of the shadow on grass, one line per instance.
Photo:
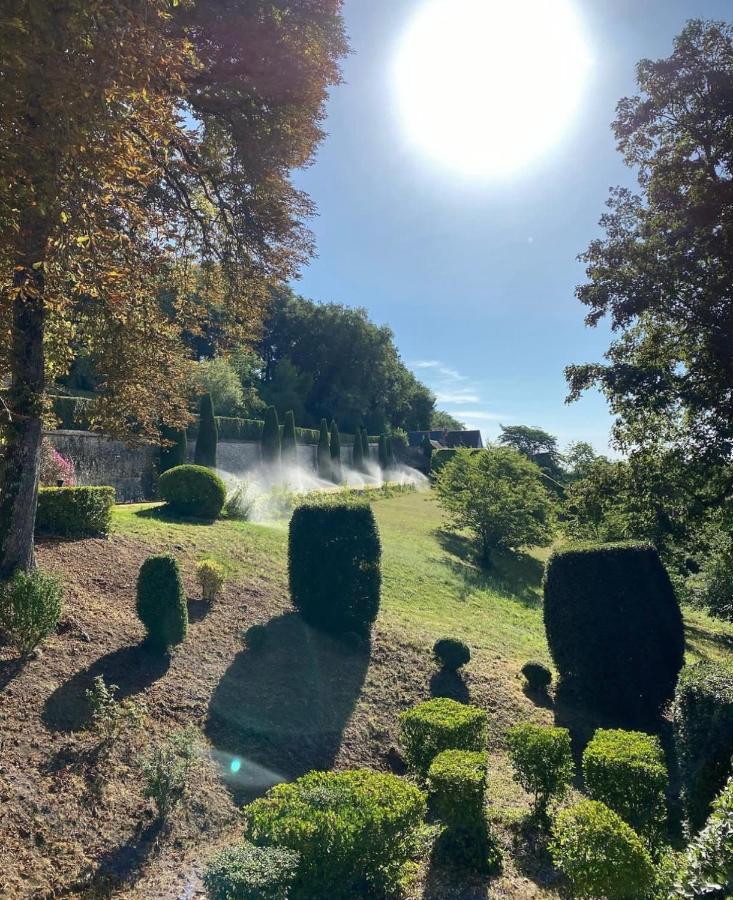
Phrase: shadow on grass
(164, 514)
(132, 669)
(9, 669)
(513, 573)
(540, 697)
(281, 708)
(531, 856)
(445, 683)
(124, 865)
(198, 610)
(694, 632)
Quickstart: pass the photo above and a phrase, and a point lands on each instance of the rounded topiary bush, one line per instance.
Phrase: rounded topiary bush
(600, 854)
(440, 724)
(355, 831)
(451, 653)
(30, 608)
(193, 491)
(614, 627)
(537, 676)
(246, 872)
(334, 566)
(542, 758)
(161, 602)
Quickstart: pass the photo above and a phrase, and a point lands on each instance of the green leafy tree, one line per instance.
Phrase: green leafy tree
(217, 378)
(289, 440)
(271, 440)
(335, 451)
(175, 452)
(208, 434)
(324, 452)
(537, 445)
(248, 366)
(443, 421)
(288, 388)
(498, 495)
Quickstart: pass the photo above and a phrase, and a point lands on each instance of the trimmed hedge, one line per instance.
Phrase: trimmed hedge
(355, 831)
(334, 566)
(193, 491)
(626, 770)
(614, 627)
(440, 724)
(161, 602)
(542, 757)
(451, 653)
(703, 733)
(600, 854)
(75, 511)
(246, 872)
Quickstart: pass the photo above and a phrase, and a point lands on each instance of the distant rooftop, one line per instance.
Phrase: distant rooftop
(447, 438)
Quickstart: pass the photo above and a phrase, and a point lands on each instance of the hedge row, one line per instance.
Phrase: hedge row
(75, 511)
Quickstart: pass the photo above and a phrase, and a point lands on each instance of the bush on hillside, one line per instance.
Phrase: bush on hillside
(334, 565)
(614, 627)
(75, 512)
(193, 491)
(30, 608)
(208, 435)
(440, 724)
(451, 653)
(355, 831)
(537, 676)
(271, 438)
(210, 576)
(706, 869)
(175, 451)
(543, 762)
(457, 790)
(626, 770)
(161, 602)
(246, 872)
(703, 733)
(600, 854)
(167, 769)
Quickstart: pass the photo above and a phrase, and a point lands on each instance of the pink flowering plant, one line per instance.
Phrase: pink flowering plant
(55, 467)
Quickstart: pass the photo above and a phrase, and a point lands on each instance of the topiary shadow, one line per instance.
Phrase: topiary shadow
(281, 708)
(163, 513)
(132, 669)
(446, 683)
(198, 610)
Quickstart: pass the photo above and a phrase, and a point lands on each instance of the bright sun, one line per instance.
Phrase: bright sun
(487, 86)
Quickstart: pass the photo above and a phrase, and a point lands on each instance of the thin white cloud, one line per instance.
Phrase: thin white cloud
(480, 415)
(458, 397)
(439, 368)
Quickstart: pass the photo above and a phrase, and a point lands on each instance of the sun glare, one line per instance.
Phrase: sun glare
(488, 86)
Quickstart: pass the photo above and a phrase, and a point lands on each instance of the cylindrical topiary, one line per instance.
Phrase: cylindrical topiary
(334, 566)
(324, 452)
(614, 627)
(451, 653)
(271, 441)
(208, 434)
(193, 491)
(161, 602)
(289, 451)
(357, 456)
(383, 453)
(175, 451)
(335, 450)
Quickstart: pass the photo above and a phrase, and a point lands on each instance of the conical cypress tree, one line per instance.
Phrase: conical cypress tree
(176, 453)
(427, 449)
(390, 453)
(289, 441)
(358, 454)
(366, 451)
(270, 442)
(383, 453)
(335, 452)
(208, 435)
(324, 452)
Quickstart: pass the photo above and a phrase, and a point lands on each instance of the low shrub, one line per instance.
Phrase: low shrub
(75, 512)
(167, 770)
(703, 733)
(210, 577)
(457, 791)
(543, 761)
(246, 872)
(537, 676)
(355, 831)
(30, 608)
(193, 491)
(600, 854)
(451, 653)
(706, 869)
(614, 627)
(334, 566)
(440, 724)
(626, 770)
(109, 717)
(161, 602)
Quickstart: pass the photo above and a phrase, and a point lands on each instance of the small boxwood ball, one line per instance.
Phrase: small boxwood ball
(451, 653)
(537, 676)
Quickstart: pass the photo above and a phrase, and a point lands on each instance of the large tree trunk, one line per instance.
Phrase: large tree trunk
(24, 406)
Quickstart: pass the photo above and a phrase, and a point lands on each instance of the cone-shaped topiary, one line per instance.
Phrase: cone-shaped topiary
(365, 448)
(271, 442)
(176, 450)
(427, 450)
(390, 453)
(289, 451)
(161, 602)
(383, 453)
(335, 449)
(324, 452)
(208, 435)
(357, 458)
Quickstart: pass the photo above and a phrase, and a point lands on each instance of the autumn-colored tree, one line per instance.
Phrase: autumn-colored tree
(143, 144)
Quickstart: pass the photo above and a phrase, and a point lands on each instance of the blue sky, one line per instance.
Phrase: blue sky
(476, 277)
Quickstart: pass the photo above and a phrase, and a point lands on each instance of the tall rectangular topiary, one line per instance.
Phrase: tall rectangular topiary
(161, 602)
(334, 566)
(614, 627)
(208, 435)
